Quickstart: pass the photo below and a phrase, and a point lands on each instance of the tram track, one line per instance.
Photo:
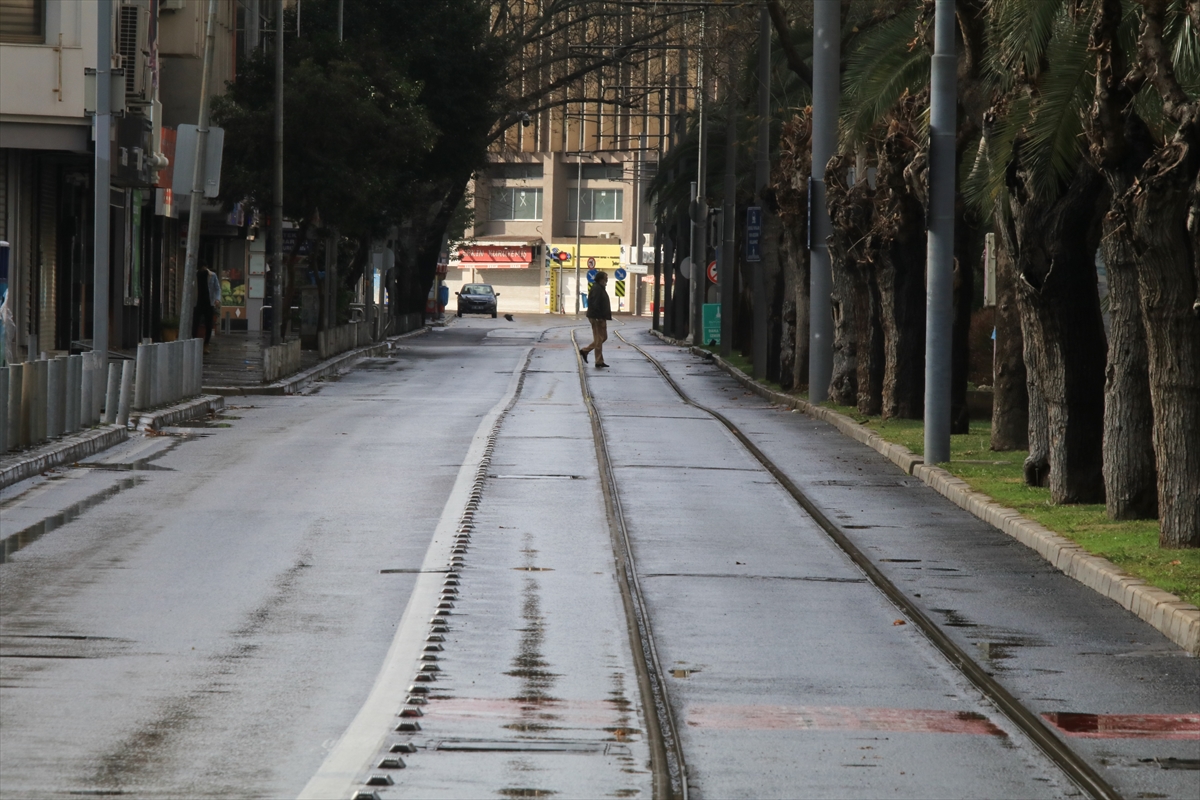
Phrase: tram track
(667, 763)
(1055, 750)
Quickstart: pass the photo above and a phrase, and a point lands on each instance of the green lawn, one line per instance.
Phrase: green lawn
(1133, 546)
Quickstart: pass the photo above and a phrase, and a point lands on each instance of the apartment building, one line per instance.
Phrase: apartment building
(48, 52)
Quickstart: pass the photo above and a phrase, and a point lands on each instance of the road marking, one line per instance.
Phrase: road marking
(368, 734)
(840, 718)
(1126, 726)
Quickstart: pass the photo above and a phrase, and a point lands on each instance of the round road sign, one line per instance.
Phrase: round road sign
(591, 273)
(591, 263)
(712, 271)
(619, 274)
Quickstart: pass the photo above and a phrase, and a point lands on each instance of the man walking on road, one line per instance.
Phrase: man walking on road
(599, 312)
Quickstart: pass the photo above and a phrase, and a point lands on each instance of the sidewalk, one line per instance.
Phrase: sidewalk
(1175, 619)
(24, 464)
(233, 365)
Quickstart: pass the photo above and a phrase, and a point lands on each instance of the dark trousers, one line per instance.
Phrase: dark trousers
(203, 315)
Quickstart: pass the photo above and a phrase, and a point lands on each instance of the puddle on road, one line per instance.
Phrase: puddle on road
(21, 539)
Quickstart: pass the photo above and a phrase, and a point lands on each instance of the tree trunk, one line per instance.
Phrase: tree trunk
(1010, 397)
(966, 248)
(1158, 208)
(900, 252)
(854, 343)
(1130, 479)
(790, 181)
(1061, 322)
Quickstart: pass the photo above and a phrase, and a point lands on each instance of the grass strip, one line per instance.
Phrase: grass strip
(1130, 544)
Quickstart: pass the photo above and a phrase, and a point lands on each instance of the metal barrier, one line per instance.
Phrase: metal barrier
(49, 398)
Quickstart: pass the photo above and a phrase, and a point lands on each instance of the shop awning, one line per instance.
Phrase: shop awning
(482, 255)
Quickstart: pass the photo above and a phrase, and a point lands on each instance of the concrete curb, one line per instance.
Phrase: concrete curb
(1175, 619)
(200, 406)
(66, 451)
(329, 366)
(87, 443)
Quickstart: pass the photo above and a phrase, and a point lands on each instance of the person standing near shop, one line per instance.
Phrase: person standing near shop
(599, 312)
(208, 300)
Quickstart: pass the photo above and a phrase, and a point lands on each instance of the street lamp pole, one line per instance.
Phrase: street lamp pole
(103, 178)
(826, 89)
(277, 213)
(579, 207)
(939, 287)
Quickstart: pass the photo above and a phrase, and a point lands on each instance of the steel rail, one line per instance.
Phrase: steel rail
(1066, 759)
(666, 751)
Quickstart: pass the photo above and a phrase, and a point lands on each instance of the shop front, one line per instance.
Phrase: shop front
(561, 286)
(512, 267)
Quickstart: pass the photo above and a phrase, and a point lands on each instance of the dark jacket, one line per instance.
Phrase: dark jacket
(598, 305)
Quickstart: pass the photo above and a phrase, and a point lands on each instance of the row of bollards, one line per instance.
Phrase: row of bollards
(53, 397)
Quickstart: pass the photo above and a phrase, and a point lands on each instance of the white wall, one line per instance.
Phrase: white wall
(520, 289)
(30, 73)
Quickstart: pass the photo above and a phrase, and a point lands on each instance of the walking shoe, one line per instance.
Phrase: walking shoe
(583, 354)
(602, 366)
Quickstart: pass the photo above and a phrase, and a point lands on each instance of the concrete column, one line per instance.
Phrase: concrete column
(187, 355)
(85, 391)
(198, 383)
(56, 390)
(112, 393)
(144, 377)
(127, 370)
(74, 393)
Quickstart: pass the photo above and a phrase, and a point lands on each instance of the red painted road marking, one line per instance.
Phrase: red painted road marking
(1126, 726)
(841, 718)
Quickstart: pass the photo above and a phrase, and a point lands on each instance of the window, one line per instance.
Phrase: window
(479, 289)
(516, 203)
(599, 205)
(600, 172)
(23, 21)
(516, 171)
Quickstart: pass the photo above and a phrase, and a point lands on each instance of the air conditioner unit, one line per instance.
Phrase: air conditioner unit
(172, 5)
(133, 28)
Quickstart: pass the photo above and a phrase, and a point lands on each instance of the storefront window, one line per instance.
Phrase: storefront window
(511, 203)
(596, 205)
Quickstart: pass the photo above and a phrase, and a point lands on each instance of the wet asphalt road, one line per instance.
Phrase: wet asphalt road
(239, 609)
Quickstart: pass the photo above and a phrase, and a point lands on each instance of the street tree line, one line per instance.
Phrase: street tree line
(1078, 144)
(385, 127)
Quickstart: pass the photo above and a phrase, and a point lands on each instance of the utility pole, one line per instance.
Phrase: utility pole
(826, 78)
(277, 310)
(341, 16)
(198, 174)
(700, 212)
(939, 287)
(726, 281)
(102, 179)
(762, 176)
(579, 207)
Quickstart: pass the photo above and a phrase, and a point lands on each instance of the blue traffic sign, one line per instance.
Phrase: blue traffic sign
(592, 275)
(620, 274)
(753, 233)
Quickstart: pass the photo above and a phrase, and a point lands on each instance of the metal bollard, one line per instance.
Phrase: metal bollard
(185, 372)
(37, 432)
(111, 395)
(127, 370)
(3, 410)
(16, 414)
(55, 391)
(161, 373)
(85, 391)
(74, 394)
(198, 380)
(144, 377)
(177, 369)
(98, 387)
